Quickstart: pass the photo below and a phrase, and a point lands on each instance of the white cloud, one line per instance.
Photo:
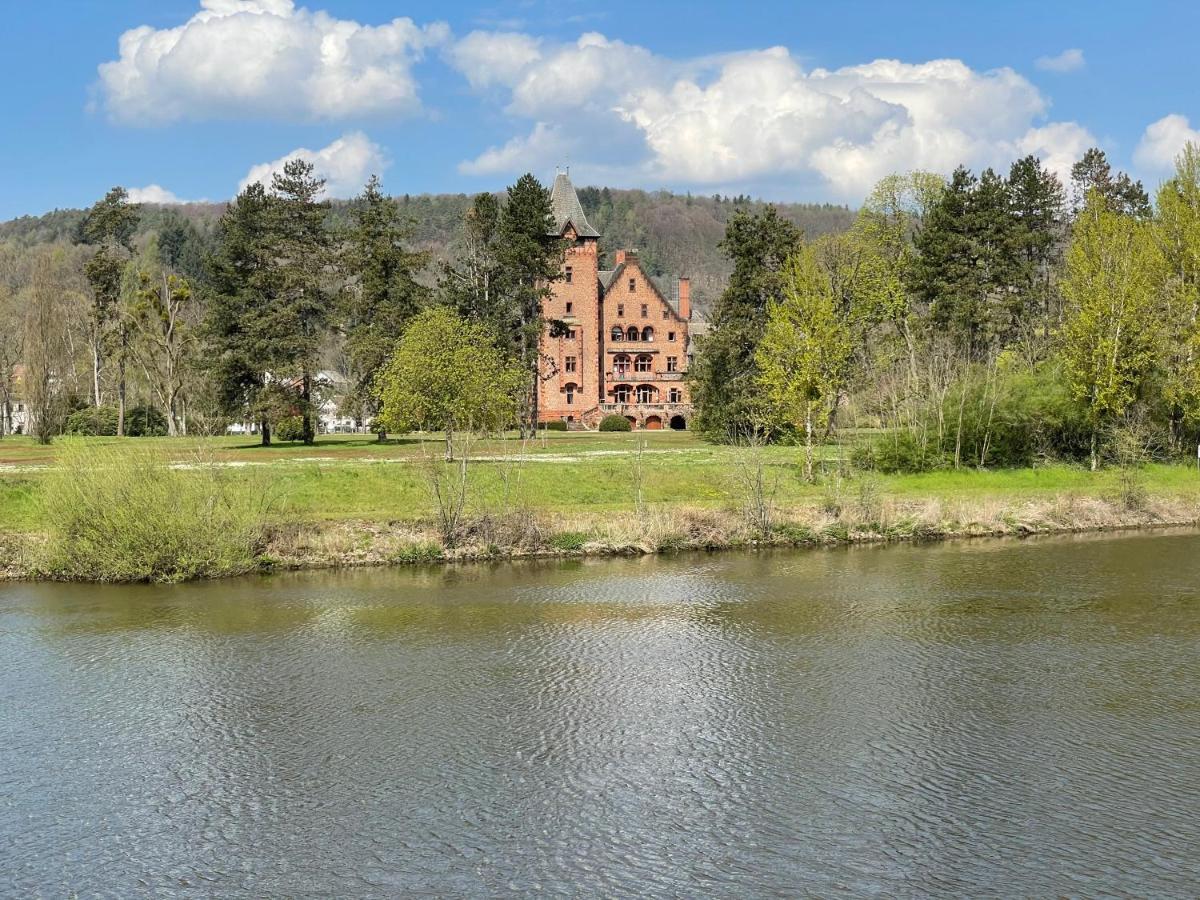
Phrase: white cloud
(493, 57)
(760, 117)
(154, 193)
(1162, 141)
(238, 58)
(346, 164)
(544, 146)
(1068, 61)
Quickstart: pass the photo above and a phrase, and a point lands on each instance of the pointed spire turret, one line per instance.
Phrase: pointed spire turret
(567, 210)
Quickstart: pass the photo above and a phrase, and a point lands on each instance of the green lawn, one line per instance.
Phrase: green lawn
(354, 477)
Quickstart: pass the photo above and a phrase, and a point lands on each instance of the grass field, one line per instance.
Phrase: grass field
(354, 477)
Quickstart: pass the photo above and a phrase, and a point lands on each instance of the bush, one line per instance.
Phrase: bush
(145, 421)
(615, 423)
(569, 541)
(555, 425)
(895, 452)
(94, 421)
(289, 429)
(128, 514)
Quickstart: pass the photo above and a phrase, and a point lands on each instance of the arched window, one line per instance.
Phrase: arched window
(675, 395)
(621, 393)
(647, 333)
(642, 363)
(621, 363)
(617, 334)
(569, 389)
(646, 393)
(632, 334)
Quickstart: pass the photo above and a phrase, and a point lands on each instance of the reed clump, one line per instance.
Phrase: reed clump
(125, 514)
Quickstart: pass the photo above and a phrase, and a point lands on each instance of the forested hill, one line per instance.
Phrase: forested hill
(676, 233)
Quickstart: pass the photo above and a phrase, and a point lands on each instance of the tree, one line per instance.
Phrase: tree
(241, 283)
(528, 259)
(296, 319)
(805, 350)
(383, 294)
(724, 378)
(163, 319)
(1038, 204)
(109, 224)
(967, 257)
(1178, 231)
(448, 374)
(469, 283)
(52, 285)
(1121, 193)
(1111, 336)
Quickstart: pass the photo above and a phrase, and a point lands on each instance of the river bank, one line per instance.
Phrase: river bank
(666, 529)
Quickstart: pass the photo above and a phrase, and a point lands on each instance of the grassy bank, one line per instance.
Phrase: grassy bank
(352, 501)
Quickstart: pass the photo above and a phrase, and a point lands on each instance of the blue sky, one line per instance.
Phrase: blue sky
(783, 100)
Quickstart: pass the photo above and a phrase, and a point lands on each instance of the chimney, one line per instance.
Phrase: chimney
(685, 298)
(618, 258)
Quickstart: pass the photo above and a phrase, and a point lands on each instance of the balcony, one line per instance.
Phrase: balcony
(632, 376)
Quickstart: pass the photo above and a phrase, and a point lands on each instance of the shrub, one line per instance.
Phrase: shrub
(615, 423)
(145, 420)
(94, 421)
(289, 429)
(128, 514)
(555, 425)
(569, 541)
(895, 452)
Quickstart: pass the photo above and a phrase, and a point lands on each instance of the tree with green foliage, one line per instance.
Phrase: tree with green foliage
(469, 281)
(1121, 194)
(528, 259)
(298, 320)
(1178, 231)
(1038, 205)
(383, 293)
(1111, 338)
(967, 261)
(109, 225)
(241, 282)
(805, 350)
(449, 374)
(164, 319)
(724, 378)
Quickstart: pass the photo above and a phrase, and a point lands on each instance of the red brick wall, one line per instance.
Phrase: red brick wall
(583, 295)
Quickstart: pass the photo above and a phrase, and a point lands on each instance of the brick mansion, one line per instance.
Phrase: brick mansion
(628, 334)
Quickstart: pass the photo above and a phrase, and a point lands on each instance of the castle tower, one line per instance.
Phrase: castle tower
(572, 381)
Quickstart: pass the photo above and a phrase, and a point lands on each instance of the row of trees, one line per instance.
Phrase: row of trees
(989, 319)
(238, 325)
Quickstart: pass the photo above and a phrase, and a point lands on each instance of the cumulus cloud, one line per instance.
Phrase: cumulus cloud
(544, 146)
(346, 164)
(1068, 61)
(758, 116)
(154, 193)
(237, 58)
(1162, 141)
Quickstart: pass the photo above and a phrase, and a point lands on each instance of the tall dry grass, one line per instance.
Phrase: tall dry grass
(123, 512)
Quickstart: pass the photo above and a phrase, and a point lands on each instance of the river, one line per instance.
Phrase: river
(981, 718)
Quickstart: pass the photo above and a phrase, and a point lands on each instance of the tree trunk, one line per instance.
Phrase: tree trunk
(264, 428)
(1095, 441)
(121, 393)
(449, 445)
(96, 372)
(306, 396)
(808, 446)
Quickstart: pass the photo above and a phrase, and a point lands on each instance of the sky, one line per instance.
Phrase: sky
(180, 100)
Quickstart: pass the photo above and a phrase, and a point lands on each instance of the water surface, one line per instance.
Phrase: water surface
(994, 718)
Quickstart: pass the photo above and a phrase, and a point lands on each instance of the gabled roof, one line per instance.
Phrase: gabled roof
(567, 210)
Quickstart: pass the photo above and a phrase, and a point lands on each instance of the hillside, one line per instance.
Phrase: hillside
(676, 233)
